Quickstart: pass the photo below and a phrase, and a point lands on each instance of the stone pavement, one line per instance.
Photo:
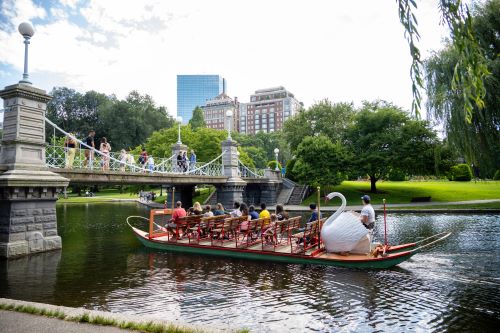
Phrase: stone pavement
(16, 322)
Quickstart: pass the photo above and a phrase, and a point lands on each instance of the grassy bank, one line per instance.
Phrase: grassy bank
(403, 192)
(104, 319)
(104, 195)
(450, 207)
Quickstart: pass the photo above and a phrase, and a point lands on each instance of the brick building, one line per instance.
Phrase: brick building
(214, 112)
(267, 110)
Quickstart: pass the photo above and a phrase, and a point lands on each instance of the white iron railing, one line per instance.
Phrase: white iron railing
(246, 172)
(58, 157)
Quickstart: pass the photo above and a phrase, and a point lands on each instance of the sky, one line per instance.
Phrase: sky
(346, 51)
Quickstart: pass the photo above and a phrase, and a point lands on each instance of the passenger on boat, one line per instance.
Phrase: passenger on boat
(208, 211)
(178, 213)
(314, 213)
(264, 213)
(270, 231)
(197, 210)
(219, 210)
(236, 212)
(253, 214)
(312, 218)
(367, 216)
(244, 212)
(281, 214)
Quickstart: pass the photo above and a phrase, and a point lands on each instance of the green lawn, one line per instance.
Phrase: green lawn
(484, 205)
(402, 192)
(104, 195)
(200, 196)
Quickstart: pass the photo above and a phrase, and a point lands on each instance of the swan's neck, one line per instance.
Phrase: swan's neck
(338, 211)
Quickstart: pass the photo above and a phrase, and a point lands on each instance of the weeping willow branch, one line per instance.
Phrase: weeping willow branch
(470, 69)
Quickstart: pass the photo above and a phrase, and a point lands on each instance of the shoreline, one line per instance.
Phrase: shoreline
(427, 208)
(100, 319)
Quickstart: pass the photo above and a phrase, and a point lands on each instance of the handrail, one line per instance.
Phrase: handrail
(133, 167)
(249, 170)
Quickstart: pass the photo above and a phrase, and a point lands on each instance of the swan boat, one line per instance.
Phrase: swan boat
(282, 241)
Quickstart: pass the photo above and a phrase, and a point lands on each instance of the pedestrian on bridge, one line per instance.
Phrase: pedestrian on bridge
(123, 159)
(70, 149)
(192, 160)
(89, 149)
(105, 148)
(151, 163)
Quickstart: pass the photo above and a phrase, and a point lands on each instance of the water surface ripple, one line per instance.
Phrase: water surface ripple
(452, 287)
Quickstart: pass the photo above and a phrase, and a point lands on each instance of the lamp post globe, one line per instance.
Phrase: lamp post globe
(27, 31)
(229, 115)
(276, 152)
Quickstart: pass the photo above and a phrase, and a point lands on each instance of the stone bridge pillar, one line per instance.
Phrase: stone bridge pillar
(232, 191)
(269, 190)
(28, 191)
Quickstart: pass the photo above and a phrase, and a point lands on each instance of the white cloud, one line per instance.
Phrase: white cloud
(69, 3)
(346, 51)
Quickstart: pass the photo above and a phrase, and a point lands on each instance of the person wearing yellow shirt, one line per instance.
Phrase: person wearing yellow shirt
(264, 214)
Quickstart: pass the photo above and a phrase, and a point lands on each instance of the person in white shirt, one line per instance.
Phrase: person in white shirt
(367, 216)
(151, 163)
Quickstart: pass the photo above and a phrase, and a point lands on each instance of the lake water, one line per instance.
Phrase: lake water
(454, 286)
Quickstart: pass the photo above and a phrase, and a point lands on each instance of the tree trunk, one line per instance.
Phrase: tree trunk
(373, 184)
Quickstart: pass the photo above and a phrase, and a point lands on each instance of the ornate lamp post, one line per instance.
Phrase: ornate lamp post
(276, 152)
(179, 119)
(229, 115)
(27, 31)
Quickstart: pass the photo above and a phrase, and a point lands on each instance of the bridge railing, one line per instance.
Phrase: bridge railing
(58, 157)
(247, 172)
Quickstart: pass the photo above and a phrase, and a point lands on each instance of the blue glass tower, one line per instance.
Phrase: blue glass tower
(195, 90)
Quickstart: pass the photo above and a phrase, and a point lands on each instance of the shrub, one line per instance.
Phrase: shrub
(396, 175)
(497, 175)
(289, 169)
(461, 172)
(272, 165)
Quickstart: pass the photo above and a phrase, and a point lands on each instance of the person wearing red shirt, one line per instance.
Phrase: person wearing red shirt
(178, 213)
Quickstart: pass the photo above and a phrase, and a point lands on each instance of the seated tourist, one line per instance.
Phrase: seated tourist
(271, 230)
(219, 210)
(253, 214)
(236, 212)
(281, 214)
(244, 212)
(197, 210)
(178, 213)
(208, 211)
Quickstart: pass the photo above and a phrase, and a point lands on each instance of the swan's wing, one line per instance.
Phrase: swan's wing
(344, 233)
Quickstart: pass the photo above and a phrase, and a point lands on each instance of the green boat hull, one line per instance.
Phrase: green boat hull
(376, 263)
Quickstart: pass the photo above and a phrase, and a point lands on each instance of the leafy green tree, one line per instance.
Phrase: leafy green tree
(257, 154)
(476, 135)
(383, 138)
(125, 123)
(266, 142)
(197, 120)
(319, 161)
(324, 117)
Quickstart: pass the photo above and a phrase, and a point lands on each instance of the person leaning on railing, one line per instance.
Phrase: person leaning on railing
(70, 148)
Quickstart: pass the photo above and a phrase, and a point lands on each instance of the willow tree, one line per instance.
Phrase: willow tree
(475, 134)
(470, 67)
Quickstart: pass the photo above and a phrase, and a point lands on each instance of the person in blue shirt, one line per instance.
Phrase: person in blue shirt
(192, 160)
(253, 214)
(314, 213)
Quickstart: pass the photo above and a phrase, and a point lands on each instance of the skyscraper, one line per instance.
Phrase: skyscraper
(195, 90)
(267, 110)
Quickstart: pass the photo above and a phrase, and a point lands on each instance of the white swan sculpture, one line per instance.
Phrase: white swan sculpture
(343, 231)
